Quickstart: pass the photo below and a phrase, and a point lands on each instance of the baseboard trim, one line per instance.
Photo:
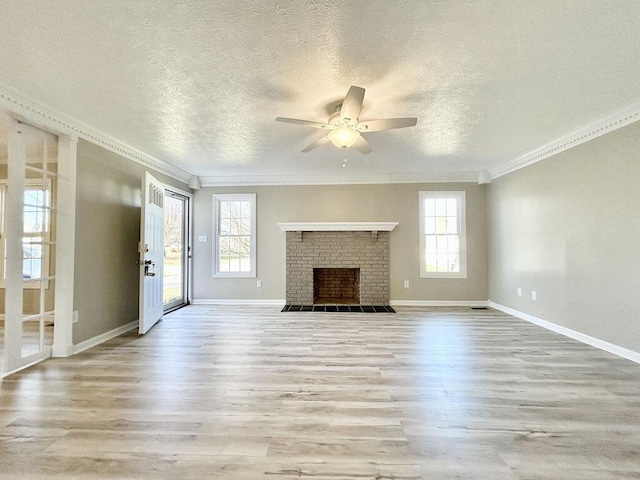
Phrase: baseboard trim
(103, 337)
(237, 301)
(399, 303)
(567, 332)
(438, 303)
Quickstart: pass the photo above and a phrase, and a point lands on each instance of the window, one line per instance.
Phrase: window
(36, 233)
(443, 245)
(235, 235)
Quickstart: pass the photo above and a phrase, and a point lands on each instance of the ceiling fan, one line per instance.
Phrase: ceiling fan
(345, 127)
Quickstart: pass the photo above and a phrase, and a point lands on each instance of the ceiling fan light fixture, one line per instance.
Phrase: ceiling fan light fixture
(345, 126)
(344, 137)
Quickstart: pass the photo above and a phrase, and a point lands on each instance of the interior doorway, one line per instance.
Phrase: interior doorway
(177, 249)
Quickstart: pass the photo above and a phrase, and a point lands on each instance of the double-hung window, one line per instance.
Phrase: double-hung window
(36, 235)
(443, 242)
(235, 235)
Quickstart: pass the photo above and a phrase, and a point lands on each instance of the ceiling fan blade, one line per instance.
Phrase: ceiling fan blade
(352, 104)
(362, 145)
(316, 144)
(304, 123)
(386, 124)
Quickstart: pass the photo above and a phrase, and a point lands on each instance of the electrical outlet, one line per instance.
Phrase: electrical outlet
(519, 292)
(74, 316)
(259, 283)
(203, 238)
(534, 295)
(406, 284)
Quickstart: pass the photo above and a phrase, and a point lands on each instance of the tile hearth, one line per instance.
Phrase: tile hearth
(339, 308)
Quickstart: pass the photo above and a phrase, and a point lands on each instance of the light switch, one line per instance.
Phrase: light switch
(203, 238)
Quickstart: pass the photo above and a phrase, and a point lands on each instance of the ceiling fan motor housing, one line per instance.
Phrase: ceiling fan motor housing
(336, 122)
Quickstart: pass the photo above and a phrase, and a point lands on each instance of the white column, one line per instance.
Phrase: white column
(65, 245)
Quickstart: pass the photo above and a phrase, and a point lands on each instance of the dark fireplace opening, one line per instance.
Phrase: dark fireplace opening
(336, 285)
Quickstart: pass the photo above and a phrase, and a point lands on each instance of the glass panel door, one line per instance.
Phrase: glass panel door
(175, 250)
(27, 245)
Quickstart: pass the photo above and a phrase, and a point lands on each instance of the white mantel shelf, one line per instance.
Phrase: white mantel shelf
(338, 226)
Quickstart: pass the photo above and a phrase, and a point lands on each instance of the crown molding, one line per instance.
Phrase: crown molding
(40, 114)
(279, 180)
(611, 122)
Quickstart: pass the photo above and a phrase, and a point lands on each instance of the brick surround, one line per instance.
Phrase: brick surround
(341, 249)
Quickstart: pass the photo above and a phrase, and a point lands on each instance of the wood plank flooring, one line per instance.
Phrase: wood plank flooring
(252, 393)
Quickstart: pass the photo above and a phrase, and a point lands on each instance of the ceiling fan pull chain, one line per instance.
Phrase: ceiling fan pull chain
(344, 158)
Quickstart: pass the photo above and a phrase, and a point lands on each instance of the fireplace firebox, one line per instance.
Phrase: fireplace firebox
(336, 285)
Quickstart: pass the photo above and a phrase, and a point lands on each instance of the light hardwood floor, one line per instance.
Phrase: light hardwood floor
(252, 393)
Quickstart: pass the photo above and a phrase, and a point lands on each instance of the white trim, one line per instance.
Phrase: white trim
(438, 303)
(622, 117)
(372, 179)
(398, 303)
(337, 226)
(65, 246)
(238, 301)
(461, 198)
(188, 264)
(43, 115)
(103, 337)
(567, 332)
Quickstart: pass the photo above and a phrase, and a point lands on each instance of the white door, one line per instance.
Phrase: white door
(151, 253)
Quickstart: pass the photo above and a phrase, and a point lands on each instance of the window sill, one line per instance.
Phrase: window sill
(452, 276)
(28, 286)
(234, 275)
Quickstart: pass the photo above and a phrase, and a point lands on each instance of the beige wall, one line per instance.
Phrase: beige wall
(107, 232)
(384, 203)
(568, 227)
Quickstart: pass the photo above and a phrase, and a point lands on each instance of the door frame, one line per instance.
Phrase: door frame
(187, 247)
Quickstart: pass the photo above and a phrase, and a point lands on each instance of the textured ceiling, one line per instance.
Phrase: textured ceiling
(199, 83)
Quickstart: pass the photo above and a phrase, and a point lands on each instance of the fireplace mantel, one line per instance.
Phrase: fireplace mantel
(338, 226)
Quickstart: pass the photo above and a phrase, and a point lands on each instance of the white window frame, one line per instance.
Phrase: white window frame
(462, 229)
(217, 198)
(46, 247)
